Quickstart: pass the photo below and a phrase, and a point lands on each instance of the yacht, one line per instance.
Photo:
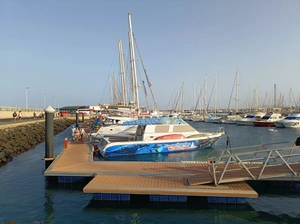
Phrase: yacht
(268, 120)
(290, 121)
(249, 118)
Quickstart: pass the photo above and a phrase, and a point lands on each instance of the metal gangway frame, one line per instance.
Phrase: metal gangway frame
(257, 162)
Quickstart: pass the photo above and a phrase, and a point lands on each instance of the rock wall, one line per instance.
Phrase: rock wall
(16, 140)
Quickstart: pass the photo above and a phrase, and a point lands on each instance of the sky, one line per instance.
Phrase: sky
(65, 52)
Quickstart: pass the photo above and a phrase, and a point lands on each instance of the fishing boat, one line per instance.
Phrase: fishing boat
(290, 121)
(153, 136)
(268, 120)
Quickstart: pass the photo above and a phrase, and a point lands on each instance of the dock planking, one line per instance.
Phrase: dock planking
(153, 178)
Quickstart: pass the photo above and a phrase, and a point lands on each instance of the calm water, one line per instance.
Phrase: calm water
(26, 197)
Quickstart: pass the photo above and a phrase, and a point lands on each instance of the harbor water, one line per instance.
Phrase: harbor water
(26, 196)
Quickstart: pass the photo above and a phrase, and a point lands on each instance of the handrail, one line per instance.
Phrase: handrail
(253, 161)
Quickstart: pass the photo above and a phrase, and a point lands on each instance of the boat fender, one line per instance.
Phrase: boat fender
(297, 142)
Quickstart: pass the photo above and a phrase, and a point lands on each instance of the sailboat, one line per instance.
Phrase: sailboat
(152, 135)
(232, 118)
(214, 118)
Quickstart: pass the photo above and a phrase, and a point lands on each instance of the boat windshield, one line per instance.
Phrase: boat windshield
(266, 117)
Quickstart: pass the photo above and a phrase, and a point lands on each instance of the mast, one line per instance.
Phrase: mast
(133, 66)
(275, 96)
(122, 71)
(194, 106)
(237, 91)
(216, 92)
(256, 97)
(182, 92)
(148, 80)
(205, 95)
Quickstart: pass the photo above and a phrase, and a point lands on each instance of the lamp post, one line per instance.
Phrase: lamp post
(45, 101)
(26, 98)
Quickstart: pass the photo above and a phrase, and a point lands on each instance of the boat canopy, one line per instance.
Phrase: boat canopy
(155, 120)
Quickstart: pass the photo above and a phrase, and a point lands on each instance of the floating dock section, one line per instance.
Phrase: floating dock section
(161, 181)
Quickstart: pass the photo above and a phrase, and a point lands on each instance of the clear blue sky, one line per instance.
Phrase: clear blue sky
(66, 50)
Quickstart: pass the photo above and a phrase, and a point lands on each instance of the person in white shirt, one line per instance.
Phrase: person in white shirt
(73, 132)
(20, 115)
(82, 131)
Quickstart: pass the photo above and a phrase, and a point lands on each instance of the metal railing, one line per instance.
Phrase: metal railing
(254, 162)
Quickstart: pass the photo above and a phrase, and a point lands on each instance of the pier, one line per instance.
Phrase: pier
(151, 178)
(222, 179)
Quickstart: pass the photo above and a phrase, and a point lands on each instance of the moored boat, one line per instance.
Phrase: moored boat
(268, 120)
(155, 135)
(249, 118)
(290, 121)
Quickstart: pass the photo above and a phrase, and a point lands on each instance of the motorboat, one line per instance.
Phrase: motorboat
(153, 136)
(249, 118)
(268, 120)
(290, 121)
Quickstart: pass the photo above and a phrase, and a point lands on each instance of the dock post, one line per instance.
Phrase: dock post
(77, 118)
(49, 136)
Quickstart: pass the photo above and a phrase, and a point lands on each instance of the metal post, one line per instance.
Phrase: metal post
(45, 101)
(27, 98)
(49, 135)
(77, 118)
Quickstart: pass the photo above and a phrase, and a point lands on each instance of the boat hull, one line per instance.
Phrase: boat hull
(156, 147)
(291, 124)
(264, 124)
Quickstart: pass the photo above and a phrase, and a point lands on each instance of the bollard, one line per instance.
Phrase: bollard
(77, 118)
(49, 136)
(66, 143)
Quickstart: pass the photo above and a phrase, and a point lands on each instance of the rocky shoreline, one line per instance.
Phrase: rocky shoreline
(19, 139)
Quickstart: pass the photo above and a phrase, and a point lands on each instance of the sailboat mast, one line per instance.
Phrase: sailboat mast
(182, 93)
(216, 92)
(148, 81)
(122, 71)
(237, 91)
(133, 65)
(275, 105)
(205, 95)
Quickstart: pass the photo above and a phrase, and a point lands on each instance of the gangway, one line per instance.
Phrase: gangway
(258, 162)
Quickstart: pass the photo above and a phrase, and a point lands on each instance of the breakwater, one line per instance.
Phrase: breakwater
(19, 139)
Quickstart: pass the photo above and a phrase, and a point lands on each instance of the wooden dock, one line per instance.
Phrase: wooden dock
(151, 178)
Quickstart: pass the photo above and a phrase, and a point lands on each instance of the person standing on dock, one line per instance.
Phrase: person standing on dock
(82, 131)
(76, 134)
(73, 132)
(14, 116)
(20, 115)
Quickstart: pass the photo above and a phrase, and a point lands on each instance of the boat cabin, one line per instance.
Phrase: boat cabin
(163, 132)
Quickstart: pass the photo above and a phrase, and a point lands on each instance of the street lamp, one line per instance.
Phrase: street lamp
(27, 97)
(44, 101)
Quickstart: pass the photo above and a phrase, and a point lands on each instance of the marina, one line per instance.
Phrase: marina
(29, 169)
(172, 112)
(216, 177)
